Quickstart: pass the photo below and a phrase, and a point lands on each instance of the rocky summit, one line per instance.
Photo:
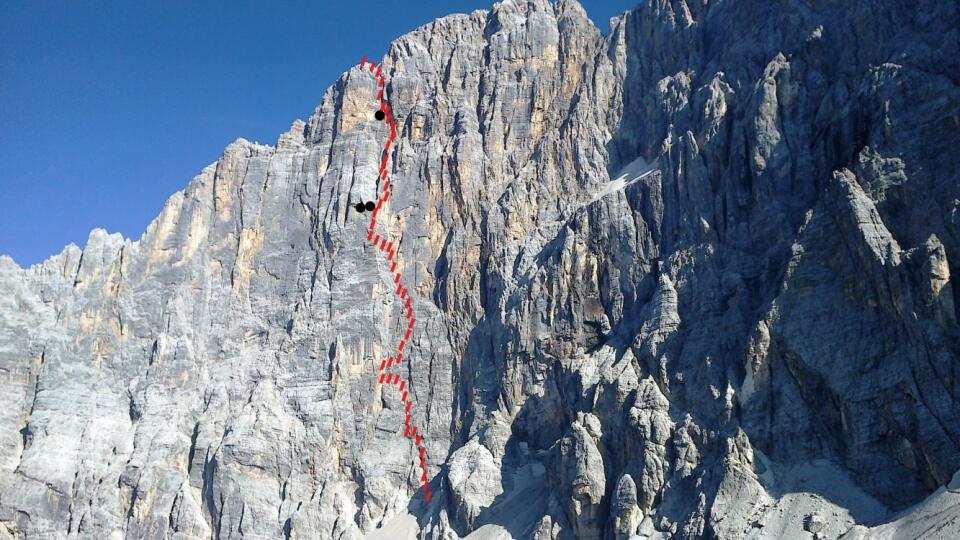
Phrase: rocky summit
(688, 278)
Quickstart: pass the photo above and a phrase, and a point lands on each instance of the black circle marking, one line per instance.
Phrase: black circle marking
(379, 115)
(370, 206)
(360, 207)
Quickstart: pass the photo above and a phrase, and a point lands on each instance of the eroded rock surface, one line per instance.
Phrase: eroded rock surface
(691, 278)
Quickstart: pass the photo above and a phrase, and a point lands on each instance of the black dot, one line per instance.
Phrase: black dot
(379, 115)
(370, 206)
(360, 208)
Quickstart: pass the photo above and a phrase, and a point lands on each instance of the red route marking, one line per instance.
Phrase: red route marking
(381, 243)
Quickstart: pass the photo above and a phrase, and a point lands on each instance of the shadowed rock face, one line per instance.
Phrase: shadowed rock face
(689, 279)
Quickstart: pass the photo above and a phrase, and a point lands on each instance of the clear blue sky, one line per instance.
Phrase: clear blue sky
(108, 107)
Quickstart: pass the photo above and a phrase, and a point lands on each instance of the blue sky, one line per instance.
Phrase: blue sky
(106, 108)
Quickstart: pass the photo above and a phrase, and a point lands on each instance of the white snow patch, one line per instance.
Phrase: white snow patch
(634, 171)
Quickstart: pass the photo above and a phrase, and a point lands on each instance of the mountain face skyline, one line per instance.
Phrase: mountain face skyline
(691, 279)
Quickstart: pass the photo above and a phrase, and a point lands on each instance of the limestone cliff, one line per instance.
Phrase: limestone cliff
(691, 278)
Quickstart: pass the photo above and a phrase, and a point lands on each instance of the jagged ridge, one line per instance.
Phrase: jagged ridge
(755, 337)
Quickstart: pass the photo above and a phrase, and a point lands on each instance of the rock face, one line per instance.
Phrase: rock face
(689, 279)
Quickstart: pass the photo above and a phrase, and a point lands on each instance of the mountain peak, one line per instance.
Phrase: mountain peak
(673, 282)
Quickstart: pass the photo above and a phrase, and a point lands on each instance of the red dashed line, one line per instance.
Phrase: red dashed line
(383, 244)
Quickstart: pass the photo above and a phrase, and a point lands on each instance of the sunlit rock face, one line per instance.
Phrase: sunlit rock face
(690, 278)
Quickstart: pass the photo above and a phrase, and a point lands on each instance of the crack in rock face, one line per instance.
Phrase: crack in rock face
(691, 278)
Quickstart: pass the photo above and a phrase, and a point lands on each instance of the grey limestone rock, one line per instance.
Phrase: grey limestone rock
(689, 278)
(625, 513)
